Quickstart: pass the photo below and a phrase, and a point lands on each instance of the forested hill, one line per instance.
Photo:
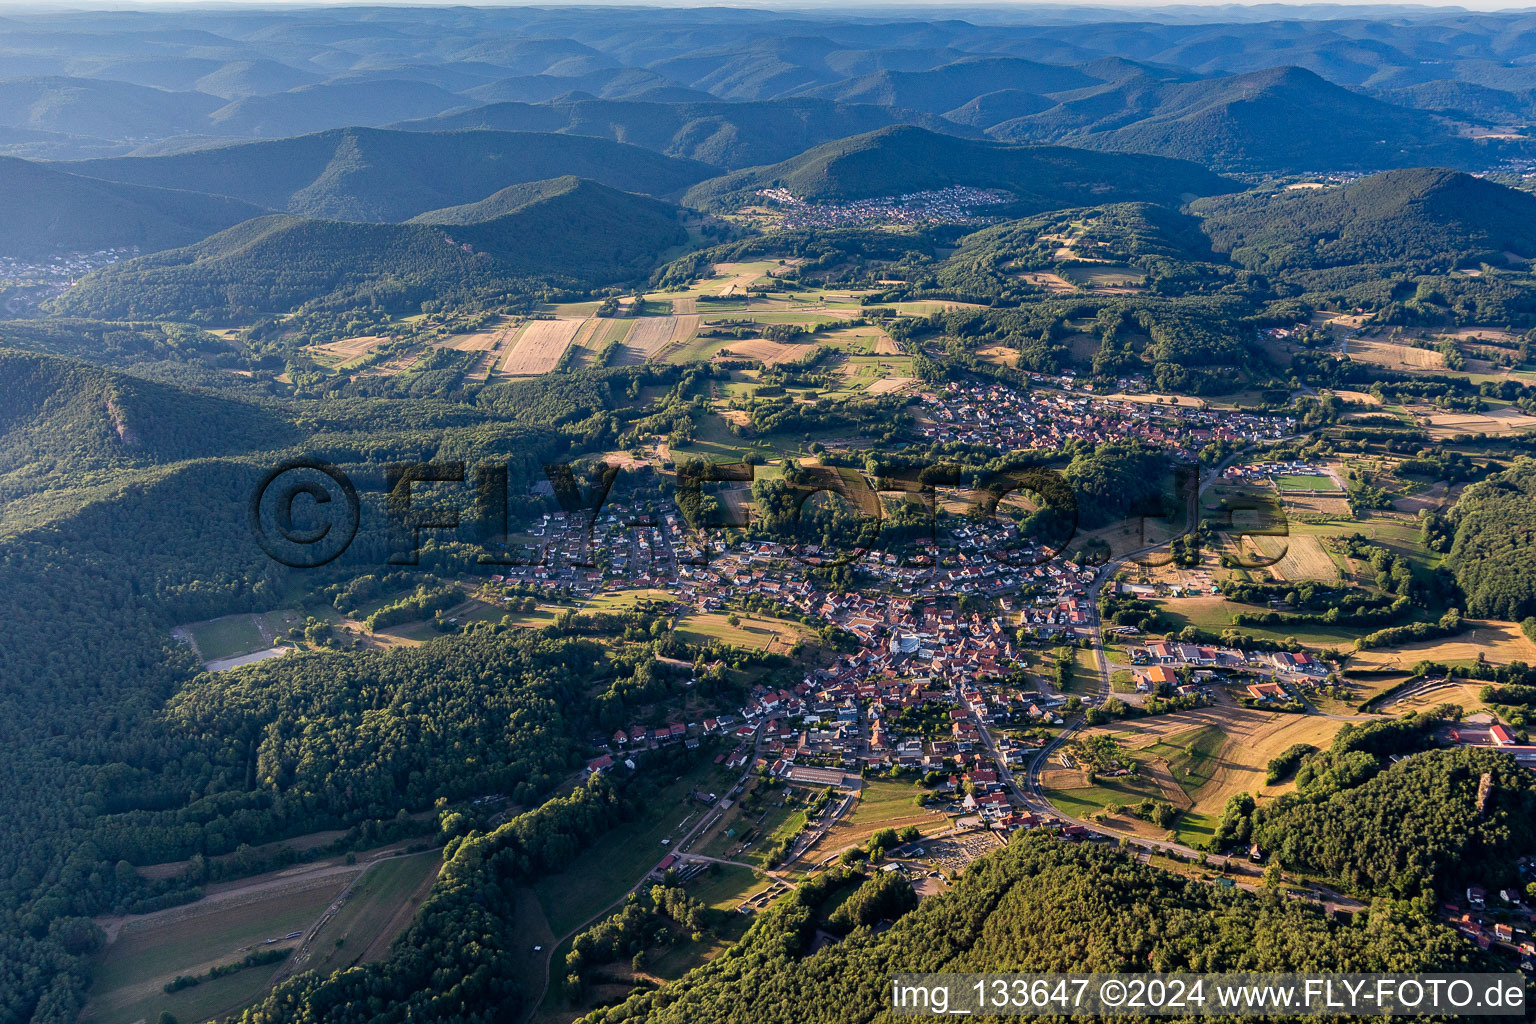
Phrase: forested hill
(570, 235)
(367, 174)
(59, 416)
(727, 135)
(1423, 220)
(1038, 905)
(44, 211)
(908, 159)
(1276, 119)
(1493, 553)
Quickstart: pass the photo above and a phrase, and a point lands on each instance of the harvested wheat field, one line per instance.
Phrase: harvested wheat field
(1303, 558)
(1503, 420)
(492, 341)
(1359, 398)
(539, 346)
(886, 346)
(652, 334)
(1500, 642)
(1241, 762)
(1380, 352)
(1321, 504)
(348, 349)
(769, 353)
(890, 385)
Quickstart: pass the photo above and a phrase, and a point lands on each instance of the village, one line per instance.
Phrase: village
(954, 205)
(1000, 416)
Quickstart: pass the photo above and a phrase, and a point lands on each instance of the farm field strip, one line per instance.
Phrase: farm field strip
(652, 334)
(539, 346)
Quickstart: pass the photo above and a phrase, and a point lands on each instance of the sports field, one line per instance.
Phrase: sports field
(1306, 482)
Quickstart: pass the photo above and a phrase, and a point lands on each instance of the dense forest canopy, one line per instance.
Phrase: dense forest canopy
(1038, 905)
(1493, 552)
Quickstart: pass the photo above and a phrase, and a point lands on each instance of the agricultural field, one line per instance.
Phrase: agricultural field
(651, 335)
(1378, 351)
(1498, 642)
(539, 346)
(338, 354)
(145, 953)
(1195, 760)
(1302, 557)
(1499, 420)
(491, 342)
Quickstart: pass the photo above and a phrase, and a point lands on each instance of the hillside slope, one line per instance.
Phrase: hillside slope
(1282, 119)
(1418, 220)
(372, 174)
(44, 210)
(60, 417)
(1037, 905)
(571, 234)
(906, 159)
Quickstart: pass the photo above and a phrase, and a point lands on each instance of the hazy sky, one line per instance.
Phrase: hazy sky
(1244, 11)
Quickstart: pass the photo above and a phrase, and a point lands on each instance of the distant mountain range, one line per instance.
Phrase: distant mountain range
(366, 174)
(1242, 94)
(727, 135)
(566, 233)
(907, 159)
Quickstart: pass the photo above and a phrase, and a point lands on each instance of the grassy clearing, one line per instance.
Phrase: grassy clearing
(724, 887)
(1214, 614)
(756, 632)
(130, 974)
(624, 600)
(1191, 756)
(378, 908)
(621, 858)
(881, 804)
